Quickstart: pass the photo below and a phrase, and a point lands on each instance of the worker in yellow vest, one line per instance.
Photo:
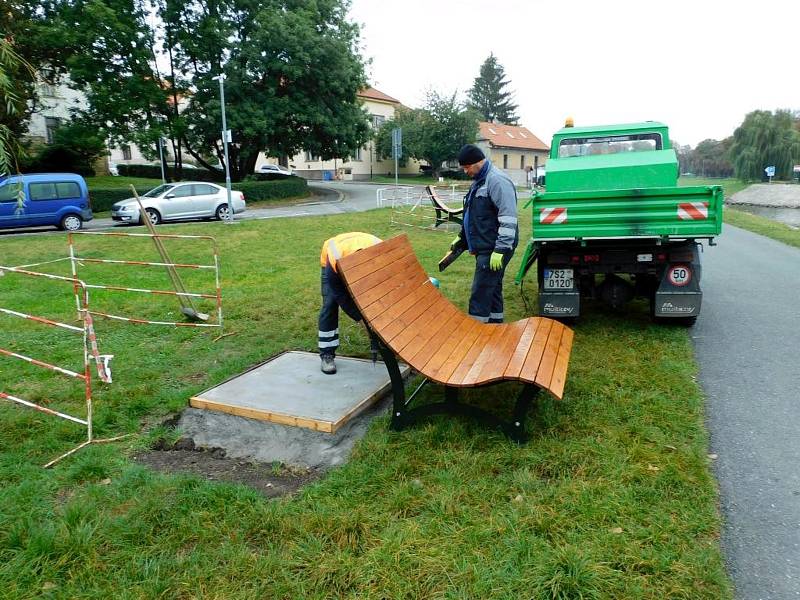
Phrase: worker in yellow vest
(335, 294)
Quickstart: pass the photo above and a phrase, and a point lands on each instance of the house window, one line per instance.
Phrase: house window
(377, 121)
(522, 162)
(126, 152)
(505, 161)
(357, 155)
(51, 124)
(311, 157)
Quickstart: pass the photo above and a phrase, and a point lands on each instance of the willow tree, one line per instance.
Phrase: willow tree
(765, 139)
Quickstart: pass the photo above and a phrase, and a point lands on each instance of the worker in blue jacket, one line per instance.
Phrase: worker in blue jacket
(489, 231)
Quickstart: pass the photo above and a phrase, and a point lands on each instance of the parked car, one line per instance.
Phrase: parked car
(182, 200)
(57, 199)
(276, 169)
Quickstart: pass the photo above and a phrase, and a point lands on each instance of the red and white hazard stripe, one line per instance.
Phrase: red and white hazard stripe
(40, 363)
(553, 216)
(692, 211)
(43, 409)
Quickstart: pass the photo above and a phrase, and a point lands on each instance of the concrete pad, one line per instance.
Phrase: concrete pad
(262, 441)
(290, 390)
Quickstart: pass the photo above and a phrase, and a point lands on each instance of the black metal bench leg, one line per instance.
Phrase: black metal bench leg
(398, 385)
(516, 428)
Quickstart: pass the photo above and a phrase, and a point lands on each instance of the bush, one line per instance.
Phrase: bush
(272, 190)
(103, 198)
(154, 172)
(254, 191)
(454, 174)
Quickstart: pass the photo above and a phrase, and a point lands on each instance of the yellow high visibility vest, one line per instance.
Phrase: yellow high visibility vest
(345, 244)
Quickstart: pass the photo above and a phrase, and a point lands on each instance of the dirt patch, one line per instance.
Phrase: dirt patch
(272, 480)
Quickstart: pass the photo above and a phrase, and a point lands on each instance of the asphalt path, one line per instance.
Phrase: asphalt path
(746, 343)
(328, 198)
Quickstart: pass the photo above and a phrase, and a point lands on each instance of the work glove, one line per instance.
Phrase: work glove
(455, 243)
(496, 261)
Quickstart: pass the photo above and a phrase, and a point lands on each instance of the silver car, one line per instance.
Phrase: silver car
(182, 200)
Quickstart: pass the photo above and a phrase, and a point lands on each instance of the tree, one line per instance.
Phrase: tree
(434, 133)
(710, 158)
(765, 139)
(488, 95)
(29, 52)
(292, 76)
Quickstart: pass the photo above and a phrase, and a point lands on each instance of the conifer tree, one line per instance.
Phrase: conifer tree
(489, 96)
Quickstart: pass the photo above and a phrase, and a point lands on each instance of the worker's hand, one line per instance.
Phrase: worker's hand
(496, 261)
(455, 243)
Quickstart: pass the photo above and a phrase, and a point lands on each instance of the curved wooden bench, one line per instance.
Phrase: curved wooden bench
(439, 205)
(414, 321)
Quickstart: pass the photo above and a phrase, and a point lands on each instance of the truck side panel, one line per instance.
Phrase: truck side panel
(683, 212)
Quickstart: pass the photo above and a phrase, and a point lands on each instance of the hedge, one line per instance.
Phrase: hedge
(103, 198)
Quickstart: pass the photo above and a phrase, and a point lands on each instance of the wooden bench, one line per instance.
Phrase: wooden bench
(450, 214)
(412, 320)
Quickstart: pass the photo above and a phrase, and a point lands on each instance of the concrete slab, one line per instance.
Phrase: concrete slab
(290, 389)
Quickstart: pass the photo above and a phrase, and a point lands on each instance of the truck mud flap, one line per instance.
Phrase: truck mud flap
(677, 304)
(561, 305)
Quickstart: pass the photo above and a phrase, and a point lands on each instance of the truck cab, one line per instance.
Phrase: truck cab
(613, 224)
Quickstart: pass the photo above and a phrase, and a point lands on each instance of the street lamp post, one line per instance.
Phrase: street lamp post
(225, 140)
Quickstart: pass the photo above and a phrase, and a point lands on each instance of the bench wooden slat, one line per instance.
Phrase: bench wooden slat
(372, 252)
(380, 276)
(489, 348)
(534, 357)
(423, 334)
(456, 344)
(457, 378)
(398, 292)
(380, 262)
(562, 363)
(411, 273)
(523, 346)
(494, 369)
(403, 329)
(545, 371)
(426, 294)
(437, 342)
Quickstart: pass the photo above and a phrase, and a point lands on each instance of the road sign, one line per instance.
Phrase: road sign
(229, 136)
(770, 171)
(397, 142)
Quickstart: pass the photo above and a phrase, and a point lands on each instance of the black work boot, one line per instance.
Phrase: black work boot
(328, 366)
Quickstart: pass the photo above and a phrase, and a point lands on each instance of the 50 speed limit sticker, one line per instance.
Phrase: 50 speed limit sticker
(679, 275)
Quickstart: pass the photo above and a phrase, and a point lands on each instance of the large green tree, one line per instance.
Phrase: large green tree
(292, 74)
(30, 51)
(434, 133)
(765, 139)
(489, 96)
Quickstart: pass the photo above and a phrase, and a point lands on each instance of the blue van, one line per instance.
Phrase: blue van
(58, 199)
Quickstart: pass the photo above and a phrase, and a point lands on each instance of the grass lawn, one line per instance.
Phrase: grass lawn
(611, 498)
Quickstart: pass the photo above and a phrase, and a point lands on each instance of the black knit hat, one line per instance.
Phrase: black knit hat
(470, 154)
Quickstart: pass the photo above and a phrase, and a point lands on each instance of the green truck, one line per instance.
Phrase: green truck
(613, 224)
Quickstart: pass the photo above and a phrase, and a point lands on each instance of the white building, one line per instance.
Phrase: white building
(367, 162)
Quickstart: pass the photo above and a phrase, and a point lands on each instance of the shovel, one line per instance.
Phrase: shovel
(187, 305)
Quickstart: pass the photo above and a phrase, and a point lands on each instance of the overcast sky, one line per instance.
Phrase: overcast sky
(699, 66)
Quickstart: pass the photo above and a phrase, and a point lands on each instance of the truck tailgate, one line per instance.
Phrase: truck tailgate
(676, 212)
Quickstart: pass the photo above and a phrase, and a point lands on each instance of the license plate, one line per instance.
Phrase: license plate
(558, 279)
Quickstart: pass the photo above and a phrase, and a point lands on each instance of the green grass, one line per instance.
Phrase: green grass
(611, 498)
(763, 226)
